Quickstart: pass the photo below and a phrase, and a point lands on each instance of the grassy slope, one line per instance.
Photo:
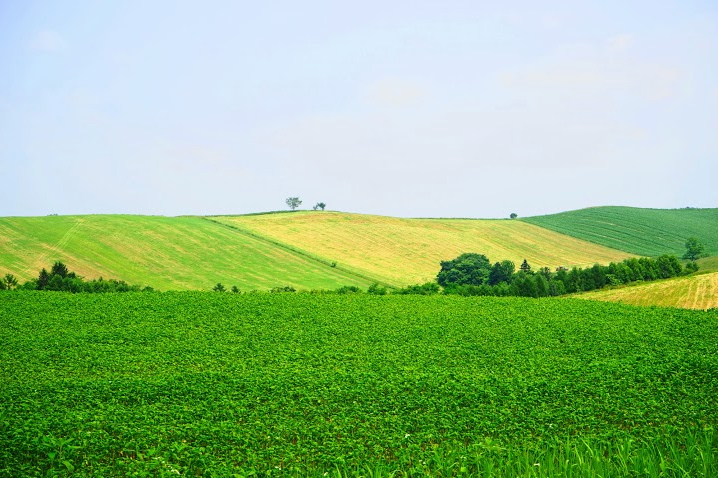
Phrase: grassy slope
(694, 292)
(648, 232)
(407, 251)
(166, 253)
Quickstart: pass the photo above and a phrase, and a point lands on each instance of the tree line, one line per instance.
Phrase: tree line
(59, 278)
(473, 274)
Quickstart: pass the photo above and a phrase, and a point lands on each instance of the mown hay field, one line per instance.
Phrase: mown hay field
(698, 291)
(408, 251)
(168, 253)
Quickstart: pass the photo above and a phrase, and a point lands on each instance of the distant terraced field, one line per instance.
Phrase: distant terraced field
(169, 253)
(693, 292)
(408, 251)
(647, 232)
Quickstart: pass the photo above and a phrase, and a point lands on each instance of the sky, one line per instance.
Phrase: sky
(400, 108)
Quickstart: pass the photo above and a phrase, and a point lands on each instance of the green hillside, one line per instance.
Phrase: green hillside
(327, 250)
(163, 252)
(647, 232)
(409, 251)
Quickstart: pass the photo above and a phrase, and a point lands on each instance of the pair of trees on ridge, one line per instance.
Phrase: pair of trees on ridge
(295, 202)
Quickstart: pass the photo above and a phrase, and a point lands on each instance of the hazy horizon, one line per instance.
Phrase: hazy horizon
(409, 109)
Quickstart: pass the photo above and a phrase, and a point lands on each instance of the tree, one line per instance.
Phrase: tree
(43, 279)
(542, 288)
(235, 289)
(8, 282)
(218, 288)
(668, 266)
(60, 269)
(525, 266)
(690, 268)
(501, 272)
(293, 203)
(376, 289)
(320, 205)
(467, 269)
(513, 215)
(694, 249)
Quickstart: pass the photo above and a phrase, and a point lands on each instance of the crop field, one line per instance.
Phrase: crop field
(694, 292)
(408, 251)
(208, 384)
(647, 232)
(163, 252)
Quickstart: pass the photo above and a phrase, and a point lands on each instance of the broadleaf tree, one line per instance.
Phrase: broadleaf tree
(293, 202)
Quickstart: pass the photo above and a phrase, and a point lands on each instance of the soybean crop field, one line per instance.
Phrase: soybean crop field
(647, 232)
(207, 384)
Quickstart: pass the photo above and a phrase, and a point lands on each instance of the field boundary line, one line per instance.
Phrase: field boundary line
(300, 252)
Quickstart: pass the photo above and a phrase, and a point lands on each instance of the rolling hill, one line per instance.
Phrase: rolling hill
(646, 232)
(163, 252)
(305, 249)
(407, 251)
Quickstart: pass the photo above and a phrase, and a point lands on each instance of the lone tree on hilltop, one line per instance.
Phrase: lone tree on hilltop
(513, 215)
(293, 203)
(694, 249)
(319, 205)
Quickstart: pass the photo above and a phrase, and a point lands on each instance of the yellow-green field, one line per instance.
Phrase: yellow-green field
(175, 253)
(408, 251)
(694, 292)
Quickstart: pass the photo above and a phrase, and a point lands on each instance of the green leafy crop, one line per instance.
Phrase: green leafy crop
(206, 384)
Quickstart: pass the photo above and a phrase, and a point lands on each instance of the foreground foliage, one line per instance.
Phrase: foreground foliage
(207, 384)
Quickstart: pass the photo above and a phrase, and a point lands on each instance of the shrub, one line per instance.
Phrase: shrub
(348, 289)
(376, 289)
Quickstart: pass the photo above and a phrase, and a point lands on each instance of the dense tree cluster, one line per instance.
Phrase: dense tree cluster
(471, 274)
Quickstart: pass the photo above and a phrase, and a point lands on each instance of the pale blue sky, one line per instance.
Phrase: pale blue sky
(405, 108)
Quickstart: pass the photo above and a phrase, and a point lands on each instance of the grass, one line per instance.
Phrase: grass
(163, 252)
(408, 251)
(708, 264)
(647, 232)
(207, 384)
(698, 291)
